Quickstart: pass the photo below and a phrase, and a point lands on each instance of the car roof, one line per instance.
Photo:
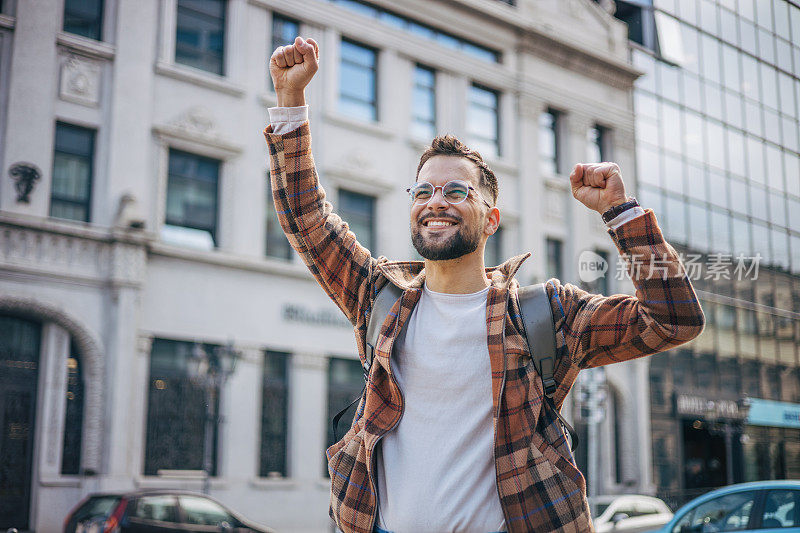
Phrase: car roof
(623, 498)
(739, 487)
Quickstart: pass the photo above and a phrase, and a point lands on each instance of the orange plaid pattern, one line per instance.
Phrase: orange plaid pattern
(539, 486)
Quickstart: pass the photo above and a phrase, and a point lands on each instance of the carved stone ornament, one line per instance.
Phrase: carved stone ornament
(196, 120)
(80, 81)
(25, 176)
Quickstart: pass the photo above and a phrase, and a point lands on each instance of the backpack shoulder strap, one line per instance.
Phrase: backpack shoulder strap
(381, 306)
(540, 332)
(537, 319)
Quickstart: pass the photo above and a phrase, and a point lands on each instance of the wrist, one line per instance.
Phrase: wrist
(616, 208)
(290, 98)
(605, 207)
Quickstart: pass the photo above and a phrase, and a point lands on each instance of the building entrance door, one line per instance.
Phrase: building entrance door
(19, 370)
(705, 459)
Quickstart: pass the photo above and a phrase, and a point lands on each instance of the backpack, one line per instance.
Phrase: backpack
(539, 331)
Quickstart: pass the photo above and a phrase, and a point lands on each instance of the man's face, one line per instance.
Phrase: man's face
(439, 230)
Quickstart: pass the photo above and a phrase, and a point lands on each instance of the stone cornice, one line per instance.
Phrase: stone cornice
(594, 65)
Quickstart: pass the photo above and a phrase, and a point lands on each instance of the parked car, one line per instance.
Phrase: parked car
(155, 511)
(631, 513)
(763, 506)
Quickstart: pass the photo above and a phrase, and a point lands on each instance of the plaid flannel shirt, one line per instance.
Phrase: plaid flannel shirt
(539, 486)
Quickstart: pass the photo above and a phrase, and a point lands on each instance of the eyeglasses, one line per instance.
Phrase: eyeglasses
(454, 192)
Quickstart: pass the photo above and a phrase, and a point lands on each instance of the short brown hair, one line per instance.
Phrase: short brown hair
(451, 145)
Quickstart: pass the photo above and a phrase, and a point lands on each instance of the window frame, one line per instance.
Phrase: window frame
(373, 222)
(374, 70)
(558, 141)
(101, 29)
(92, 158)
(417, 120)
(204, 52)
(472, 136)
(285, 383)
(217, 207)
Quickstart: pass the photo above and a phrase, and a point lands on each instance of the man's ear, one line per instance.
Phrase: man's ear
(492, 221)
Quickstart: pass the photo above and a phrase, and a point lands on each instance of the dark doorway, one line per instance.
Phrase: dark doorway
(19, 371)
(704, 457)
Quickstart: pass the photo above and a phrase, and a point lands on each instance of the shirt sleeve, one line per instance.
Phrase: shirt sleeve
(625, 216)
(286, 119)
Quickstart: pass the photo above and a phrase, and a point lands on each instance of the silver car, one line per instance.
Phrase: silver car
(630, 513)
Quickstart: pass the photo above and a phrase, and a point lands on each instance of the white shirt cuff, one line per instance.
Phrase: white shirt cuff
(286, 119)
(625, 216)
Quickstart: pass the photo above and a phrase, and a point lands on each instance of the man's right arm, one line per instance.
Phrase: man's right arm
(333, 255)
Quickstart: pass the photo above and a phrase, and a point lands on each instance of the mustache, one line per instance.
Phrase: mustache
(451, 218)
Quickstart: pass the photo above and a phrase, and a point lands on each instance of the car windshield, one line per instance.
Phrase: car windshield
(97, 506)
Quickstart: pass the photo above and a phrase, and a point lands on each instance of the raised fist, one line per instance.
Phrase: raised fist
(292, 67)
(598, 186)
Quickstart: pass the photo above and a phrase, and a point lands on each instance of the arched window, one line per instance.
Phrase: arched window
(73, 414)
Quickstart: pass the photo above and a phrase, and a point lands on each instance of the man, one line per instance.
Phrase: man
(451, 434)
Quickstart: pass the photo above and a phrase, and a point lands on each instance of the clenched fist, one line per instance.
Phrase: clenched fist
(292, 68)
(598, 186)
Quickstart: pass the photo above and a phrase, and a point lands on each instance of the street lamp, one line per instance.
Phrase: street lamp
(211, 372)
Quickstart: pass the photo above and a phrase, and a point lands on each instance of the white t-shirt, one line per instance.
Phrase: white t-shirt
(436, 469)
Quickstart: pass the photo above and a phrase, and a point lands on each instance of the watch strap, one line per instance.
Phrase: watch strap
(615, 211)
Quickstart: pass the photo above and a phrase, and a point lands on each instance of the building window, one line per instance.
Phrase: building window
(554, 259)
(176, 411)
(358, 210)
(274, 414)
(345, 383)
(84, 17)
(423, 113)
(638, 15)
(284, 31)
(550, 142)
(73, 416)
(400, 22)
(200, 35)
(192, 190)
(483, 120)
(493, 253)
(277, 245)
(71, 193)
(358, 81)
(596, 141)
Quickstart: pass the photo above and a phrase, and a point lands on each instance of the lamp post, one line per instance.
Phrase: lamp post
(211, 372)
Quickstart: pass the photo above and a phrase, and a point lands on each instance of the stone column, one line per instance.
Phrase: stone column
(30, 127)
(52, 404)
(129, 133)
(531, 201)
(307, 415)
(240, 412)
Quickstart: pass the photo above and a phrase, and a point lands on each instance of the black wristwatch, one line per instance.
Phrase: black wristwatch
(615, 211)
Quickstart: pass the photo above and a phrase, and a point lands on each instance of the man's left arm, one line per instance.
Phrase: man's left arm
(665, 312)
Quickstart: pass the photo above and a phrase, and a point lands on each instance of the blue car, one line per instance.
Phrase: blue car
(761, 506)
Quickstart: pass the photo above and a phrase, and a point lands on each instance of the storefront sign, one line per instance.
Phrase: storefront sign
(770, 413)
(687, 404)
(324, 317)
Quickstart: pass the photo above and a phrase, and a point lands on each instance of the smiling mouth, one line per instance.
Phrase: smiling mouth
(437, 223)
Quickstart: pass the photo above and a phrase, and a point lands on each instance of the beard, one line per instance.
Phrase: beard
(461, 243)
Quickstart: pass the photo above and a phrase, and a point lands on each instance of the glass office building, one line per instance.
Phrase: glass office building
(717, 154)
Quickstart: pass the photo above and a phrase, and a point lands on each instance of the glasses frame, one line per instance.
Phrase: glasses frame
(469, 188)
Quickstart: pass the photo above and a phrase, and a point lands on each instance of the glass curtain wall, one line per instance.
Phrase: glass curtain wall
(718, 157)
